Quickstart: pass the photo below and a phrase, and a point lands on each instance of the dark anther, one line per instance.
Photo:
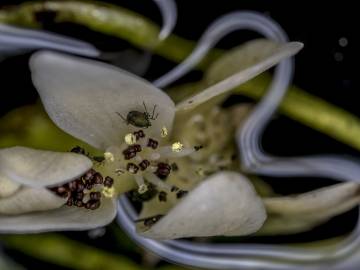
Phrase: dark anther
(89, 175)
(173, 189)
(79, 196)
(97, 179)
(80, 186)
(99, 158)
(73, 185)
(162, 196)
(139, 134)
(163, 170)
(137, 147)
(92, 204)
(132, 168)
(79, 203)
(198, 147)
(174, 167)
(148, 222)
(108, 182)
(130, 152)
(144, 164)
(152, 143)
(95, 195)
(181, 193)
(78, 150)
(89, 186)
(69, 202)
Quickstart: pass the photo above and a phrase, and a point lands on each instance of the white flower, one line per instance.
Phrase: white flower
(101, 105)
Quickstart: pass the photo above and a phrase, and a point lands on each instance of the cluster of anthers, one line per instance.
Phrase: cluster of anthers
(87, 190)
(140, 156)
(148, 162)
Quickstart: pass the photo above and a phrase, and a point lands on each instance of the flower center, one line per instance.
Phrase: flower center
(148, 162)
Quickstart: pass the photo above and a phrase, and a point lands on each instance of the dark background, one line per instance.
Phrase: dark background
(324, 68)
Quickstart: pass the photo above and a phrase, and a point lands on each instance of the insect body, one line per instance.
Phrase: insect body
(140, 119)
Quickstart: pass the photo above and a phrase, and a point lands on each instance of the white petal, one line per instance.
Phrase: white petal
(317, 202)
(84, 98)
(30, 200)
(240, 58)
(224, 204)
(39, 168)
(7, 187)
(284, 51)
(64, 218)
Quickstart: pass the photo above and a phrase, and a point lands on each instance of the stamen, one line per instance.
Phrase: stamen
(144, 164)
(108, 192)
(141, 183)
(177, 147)
(108, 182)
(152, 143)
(139, 134)
(109, 157)
(130, 139)
(164, 132)
(132, 168)
(152, 178)
(163, 170)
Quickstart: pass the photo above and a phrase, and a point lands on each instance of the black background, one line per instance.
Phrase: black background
(319, 71)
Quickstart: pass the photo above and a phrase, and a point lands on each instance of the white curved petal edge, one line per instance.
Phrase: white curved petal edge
(282, 52)
(62, 219)
(30, 200)
(16, 39)
(85, 97)
(7, 187)
(224, 204)
(39, 168)
(240, 58)
(326, 201)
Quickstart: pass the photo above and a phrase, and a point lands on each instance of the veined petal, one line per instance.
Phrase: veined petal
(224, 204)
(7, 187)
(30, 200)
(63, 218)
(86, 98)
(282, 52)
(39, 168)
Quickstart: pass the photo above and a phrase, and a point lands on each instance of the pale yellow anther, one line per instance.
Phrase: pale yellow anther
(109, 156)
(108, 192)
(177, 147)
(200, 171)
(130, 139)
(164, 132)
(142, 188)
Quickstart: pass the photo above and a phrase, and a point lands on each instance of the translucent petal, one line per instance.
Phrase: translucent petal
(39, 168)
(224, 204)
(30, 200)
(7, 187)
(284, 51)
(240, 58)
(326, 201)
(85, 98)
(63, 218)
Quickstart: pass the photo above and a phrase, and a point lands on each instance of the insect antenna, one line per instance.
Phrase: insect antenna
(146, 111)
(122, 117)
(153, 113)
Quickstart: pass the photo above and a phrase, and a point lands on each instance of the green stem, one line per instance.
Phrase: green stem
(107, 19)
(62, 251)
(311, 111)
